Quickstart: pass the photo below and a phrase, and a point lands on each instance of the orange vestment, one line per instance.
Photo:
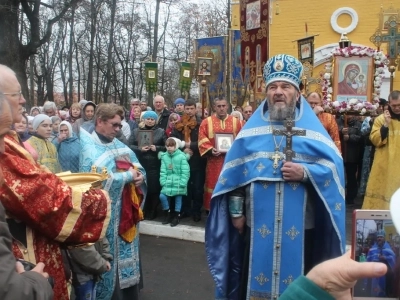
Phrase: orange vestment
(329, 122)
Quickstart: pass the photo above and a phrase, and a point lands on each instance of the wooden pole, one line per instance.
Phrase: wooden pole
(203, 96)
(392, 69)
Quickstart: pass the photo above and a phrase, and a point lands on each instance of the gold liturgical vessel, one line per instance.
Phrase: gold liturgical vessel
(84, 181)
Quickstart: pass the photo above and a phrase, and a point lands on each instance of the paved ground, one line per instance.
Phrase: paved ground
(174, 269)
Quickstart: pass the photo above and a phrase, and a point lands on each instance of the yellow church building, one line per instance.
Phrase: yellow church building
(359, 19)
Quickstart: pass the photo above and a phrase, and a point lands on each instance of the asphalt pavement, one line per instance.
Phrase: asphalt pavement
(174, 270)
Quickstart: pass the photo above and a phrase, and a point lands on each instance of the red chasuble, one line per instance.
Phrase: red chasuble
(208, 128)
(53, 212)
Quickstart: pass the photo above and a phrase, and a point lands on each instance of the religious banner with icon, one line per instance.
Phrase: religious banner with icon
(305, 48)
(254, 28)
(211, 62)
(185, 78)
(151, 69)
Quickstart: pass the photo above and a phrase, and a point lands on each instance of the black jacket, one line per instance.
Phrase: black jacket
(196, 162)
(353, 148)
(149, 160)
(163, 119)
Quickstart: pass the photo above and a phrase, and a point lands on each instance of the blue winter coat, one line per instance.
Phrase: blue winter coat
(68, 153)
(174, 173)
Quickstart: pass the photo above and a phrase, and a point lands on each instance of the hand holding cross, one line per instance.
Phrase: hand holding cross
(289, 133)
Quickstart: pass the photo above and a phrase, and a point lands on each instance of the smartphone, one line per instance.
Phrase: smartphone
(374, 238)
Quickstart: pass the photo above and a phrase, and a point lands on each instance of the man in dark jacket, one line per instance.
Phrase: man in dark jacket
(15, 283)
(352, 151)
(161, 111)
(187, 130)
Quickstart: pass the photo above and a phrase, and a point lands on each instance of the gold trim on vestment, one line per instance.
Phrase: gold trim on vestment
(73, 215)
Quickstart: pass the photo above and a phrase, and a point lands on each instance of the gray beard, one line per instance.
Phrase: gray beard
(280, 114)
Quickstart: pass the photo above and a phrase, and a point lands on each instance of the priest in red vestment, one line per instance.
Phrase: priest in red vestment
(220, 122)
(44, 212)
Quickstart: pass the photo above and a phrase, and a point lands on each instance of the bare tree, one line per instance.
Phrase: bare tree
(14, 52)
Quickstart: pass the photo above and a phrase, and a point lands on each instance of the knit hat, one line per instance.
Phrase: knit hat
(39, 120)
(179, 101)
(285, 68)
(178, 142)
(149, 114)
(69, 127)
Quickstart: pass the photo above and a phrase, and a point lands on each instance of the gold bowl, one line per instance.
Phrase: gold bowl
(84, 181)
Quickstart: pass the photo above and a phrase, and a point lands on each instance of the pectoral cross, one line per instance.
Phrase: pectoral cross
(289, 133)
(276, 157)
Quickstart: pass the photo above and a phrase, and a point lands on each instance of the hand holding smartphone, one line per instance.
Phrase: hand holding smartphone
(375, 239)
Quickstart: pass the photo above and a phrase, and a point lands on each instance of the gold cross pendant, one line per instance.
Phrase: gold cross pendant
(276, 157)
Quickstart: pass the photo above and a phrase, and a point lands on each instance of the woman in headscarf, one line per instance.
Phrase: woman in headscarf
(68, 148)
(86, 119)
(148, 157)
(34, 111)
(47, 152)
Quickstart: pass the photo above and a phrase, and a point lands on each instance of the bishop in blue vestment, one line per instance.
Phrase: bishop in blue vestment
(275, 204)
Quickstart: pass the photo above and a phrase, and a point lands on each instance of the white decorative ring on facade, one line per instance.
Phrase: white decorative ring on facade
(344, 10)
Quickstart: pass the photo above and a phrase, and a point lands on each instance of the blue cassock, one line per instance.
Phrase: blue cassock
(277, 208)
(125, 263)
(378, 284)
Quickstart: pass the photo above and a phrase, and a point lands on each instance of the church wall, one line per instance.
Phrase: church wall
(289, 25)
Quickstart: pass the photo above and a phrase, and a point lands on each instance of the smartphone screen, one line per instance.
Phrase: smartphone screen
(375, 239)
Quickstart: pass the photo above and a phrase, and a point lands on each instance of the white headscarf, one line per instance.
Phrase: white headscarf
(69, 128)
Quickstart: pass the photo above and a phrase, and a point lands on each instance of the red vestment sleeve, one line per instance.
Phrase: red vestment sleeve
(47, 204)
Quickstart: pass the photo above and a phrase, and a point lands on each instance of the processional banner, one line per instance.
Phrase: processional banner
(254, 28)
(215, 49)
(151, 69)
(185, 78)
(237, 83)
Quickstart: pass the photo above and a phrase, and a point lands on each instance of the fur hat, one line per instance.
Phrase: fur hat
(39, 119)
(283, 67)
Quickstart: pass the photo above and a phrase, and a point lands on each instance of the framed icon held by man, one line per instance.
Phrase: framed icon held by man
(223, 142)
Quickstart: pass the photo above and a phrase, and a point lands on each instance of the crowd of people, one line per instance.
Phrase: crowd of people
(181, 162)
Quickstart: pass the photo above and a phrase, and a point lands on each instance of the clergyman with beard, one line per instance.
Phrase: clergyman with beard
(270, 220)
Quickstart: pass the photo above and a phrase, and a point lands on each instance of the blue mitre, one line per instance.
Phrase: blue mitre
(283, 67)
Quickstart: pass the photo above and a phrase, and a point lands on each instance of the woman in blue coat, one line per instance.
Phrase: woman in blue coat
(68, 147)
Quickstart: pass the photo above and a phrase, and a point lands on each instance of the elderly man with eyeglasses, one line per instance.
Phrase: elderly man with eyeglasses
(102, 149)
(45, 210)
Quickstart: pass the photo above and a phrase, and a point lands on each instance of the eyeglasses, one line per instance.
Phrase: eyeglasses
(116, 125)
(14, 94)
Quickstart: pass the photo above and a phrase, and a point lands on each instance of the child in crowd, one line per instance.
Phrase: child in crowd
(174, 177)
(87, 264)
(173, 118)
